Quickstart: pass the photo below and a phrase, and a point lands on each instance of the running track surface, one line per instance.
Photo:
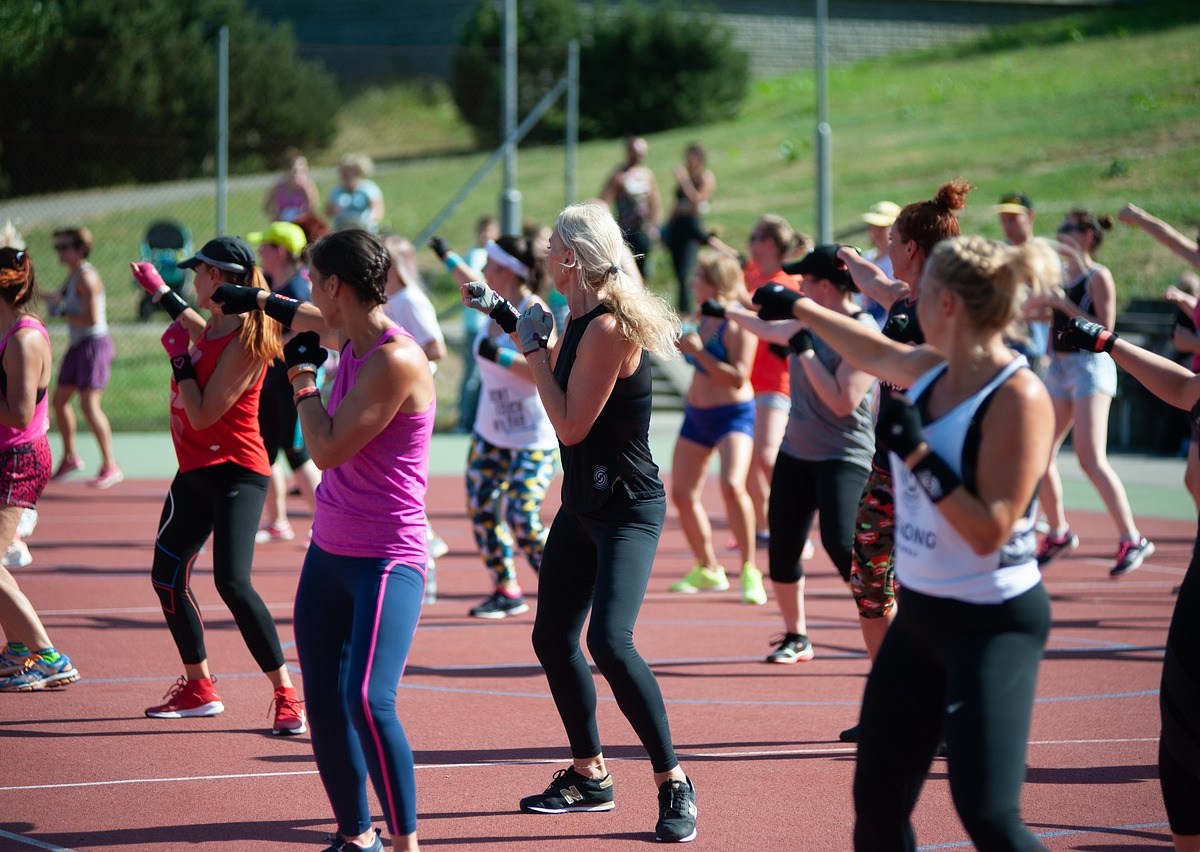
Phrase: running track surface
(83, 769)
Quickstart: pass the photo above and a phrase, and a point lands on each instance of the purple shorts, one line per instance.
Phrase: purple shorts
(88, 364)
(24, 472)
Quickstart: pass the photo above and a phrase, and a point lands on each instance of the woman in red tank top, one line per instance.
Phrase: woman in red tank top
(218, 367)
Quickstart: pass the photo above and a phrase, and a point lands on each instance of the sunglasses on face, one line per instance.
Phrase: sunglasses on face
(1072, 228)
(64, 246)
(11, 258)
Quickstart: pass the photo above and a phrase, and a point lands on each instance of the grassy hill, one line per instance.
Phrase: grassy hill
(1090, 111)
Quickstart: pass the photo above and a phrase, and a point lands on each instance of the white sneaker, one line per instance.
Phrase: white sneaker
(28, 522)
(17, 555)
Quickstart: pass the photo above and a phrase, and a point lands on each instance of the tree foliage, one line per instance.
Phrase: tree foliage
(643, 67)
(106, 91)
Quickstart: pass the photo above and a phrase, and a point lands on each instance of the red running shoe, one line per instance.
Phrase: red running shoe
(289, 712)
(189, 698)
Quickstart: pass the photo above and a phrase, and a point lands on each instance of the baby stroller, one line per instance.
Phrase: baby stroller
(166, 243)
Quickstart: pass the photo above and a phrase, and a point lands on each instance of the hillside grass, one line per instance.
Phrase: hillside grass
(1091, 111)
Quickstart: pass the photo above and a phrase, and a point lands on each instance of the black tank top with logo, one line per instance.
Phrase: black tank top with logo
(616, 452)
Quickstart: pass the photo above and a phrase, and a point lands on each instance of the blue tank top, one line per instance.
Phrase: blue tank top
(714, 346)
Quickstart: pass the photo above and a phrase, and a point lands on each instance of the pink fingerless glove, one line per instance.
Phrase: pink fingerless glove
(146, 274)
(175, 340)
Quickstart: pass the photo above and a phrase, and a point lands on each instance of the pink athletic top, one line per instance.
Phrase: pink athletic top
(373, 504)
(10, 436)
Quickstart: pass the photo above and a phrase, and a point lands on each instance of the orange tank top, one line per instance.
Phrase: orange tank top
(235, 437)
(769, 373)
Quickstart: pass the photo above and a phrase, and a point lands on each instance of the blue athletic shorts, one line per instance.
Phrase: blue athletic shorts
(707, 426)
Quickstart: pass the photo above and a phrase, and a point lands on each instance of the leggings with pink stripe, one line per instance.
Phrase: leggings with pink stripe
(354, 620)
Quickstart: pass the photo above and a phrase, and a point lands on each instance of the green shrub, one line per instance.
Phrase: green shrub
(648, 68)
(100, 92)
(643, 67)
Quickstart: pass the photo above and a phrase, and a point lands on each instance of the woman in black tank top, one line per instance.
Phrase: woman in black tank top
(595, 385)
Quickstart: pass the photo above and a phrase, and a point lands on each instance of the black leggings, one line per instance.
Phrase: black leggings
(966, 672)
(1179, 707)
(683, 237)
(226, 501)
(801, 489)
(600, 561)
(277, 419)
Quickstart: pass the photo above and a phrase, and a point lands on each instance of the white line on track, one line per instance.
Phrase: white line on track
(707, 755)
(30, 842)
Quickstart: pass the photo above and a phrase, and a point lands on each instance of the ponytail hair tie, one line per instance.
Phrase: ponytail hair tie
(613, 270)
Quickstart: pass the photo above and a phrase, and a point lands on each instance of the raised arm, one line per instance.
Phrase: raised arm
(1167, 236)
(871, 280)
(864, 348)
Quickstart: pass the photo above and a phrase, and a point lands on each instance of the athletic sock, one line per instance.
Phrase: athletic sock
(19, 649)
(1060, 533)
(49, 655)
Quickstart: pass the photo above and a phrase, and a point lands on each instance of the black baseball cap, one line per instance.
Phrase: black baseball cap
(232, 254)
(822, 262)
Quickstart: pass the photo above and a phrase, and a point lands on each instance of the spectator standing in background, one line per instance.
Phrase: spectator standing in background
(356, 201)
(633, 190)
(295, 194)
(87, 366)
(684, 232)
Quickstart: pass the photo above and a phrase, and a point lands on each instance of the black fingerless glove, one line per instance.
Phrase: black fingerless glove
(779, 349)
(305, 348)
(900, 431)
(775, 301)
(802, 341)
(440, 247)
(1088, 336)
(712, 308)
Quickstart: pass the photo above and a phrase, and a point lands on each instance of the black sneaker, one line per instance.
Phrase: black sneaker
(570, 792)
(1051, 548)
(791, 648)
(500, 605)
(850, 735)
(676, 812)
(1131, 555)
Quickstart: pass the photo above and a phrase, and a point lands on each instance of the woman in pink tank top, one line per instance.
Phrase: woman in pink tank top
(361, 587)
(28, 661)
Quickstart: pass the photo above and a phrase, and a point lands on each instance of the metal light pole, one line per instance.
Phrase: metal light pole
(824, 168)
(510, 196)
(222, 127)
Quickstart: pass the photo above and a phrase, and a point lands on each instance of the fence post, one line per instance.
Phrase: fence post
(824, 166)
(510, 196)
(222, 128)
(572, 117)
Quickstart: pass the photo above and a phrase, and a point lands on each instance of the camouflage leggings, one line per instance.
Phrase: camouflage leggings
(872, 577)
(521, 477)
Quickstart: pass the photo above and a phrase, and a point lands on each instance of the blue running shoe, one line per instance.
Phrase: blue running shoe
(39, 674)
(12, 662)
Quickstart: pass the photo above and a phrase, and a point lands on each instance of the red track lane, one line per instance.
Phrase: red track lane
(83, 769)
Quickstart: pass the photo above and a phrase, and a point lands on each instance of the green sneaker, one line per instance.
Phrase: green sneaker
(753, 591)
(701, 579)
